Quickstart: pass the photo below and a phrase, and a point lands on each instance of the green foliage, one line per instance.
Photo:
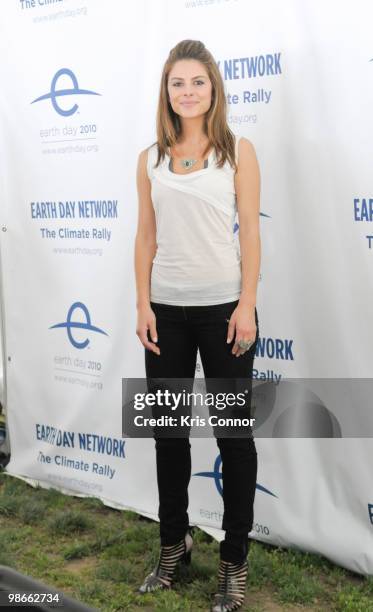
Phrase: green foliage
(100, 555)
(69, 521)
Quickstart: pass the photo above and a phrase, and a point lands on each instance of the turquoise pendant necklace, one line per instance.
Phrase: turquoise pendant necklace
(188, 163)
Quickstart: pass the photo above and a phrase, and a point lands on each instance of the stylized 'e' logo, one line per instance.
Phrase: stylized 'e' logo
(69, 324)
(370, 512)
(218, 477)
(56, 93)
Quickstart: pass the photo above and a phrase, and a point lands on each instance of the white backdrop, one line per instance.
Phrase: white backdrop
(80, 83)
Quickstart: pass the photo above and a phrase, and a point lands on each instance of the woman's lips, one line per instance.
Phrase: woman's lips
(188, 103)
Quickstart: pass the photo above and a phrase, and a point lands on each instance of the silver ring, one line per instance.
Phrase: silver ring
(245, 345)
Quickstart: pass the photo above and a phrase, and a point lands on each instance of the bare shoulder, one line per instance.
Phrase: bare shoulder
(245, 148)
(142, 166)
(247, 176)
(143, 156)
(247, 158)
(142, 161)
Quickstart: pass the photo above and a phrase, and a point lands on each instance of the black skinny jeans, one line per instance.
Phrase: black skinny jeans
(182, 330)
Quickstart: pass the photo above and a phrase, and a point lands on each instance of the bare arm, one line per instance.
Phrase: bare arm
(145, 249)
(145, 243)
(247, 183)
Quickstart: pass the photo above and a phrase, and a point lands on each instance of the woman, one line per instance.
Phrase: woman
(197, 290)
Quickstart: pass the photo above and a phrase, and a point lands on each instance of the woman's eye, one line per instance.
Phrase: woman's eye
(199, 83)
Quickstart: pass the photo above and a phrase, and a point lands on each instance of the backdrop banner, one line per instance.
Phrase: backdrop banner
(80, 83)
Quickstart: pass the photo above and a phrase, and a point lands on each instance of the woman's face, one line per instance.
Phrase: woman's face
(189, 88)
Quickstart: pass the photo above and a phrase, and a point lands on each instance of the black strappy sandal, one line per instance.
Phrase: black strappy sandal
(170, 556)
(231, 586)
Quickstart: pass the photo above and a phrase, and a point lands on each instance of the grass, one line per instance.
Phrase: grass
(100, 555)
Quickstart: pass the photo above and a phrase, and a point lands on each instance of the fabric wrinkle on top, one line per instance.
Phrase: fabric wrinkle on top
(197, 261)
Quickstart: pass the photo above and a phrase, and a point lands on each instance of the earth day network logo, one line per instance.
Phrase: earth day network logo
(55, 93)
(217, 475)
(69, 324)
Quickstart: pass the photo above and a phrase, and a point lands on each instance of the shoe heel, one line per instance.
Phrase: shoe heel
(187, 557)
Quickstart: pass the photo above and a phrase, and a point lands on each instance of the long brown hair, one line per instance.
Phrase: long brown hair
(216, 127)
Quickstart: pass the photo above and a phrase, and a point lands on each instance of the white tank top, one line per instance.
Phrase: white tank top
(198, 260)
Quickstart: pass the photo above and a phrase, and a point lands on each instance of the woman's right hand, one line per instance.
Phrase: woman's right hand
(146, 320)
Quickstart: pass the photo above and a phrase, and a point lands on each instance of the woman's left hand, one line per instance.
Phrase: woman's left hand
(242, 322)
